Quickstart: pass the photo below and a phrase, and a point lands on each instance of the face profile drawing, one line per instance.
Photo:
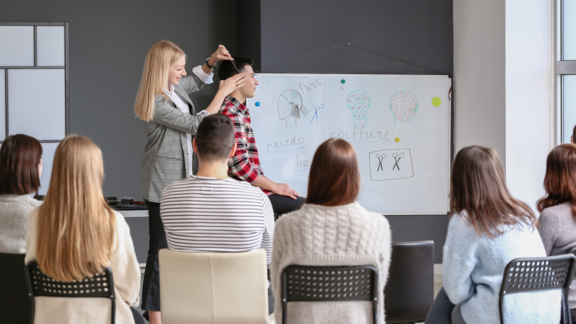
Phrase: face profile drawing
(358, 103)
(403, 105)
(290, 104)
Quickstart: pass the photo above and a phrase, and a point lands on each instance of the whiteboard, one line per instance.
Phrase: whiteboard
(399, 126)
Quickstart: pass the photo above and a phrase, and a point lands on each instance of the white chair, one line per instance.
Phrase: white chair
(213, 288)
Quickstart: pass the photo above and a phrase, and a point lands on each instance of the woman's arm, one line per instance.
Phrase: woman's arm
(459, 260)
(166, 115)
(549, 229)
(124, 264)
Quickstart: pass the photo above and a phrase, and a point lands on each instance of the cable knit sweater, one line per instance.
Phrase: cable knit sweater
(14, 210)
(331, 236)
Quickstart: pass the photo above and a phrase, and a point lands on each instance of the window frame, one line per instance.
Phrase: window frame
(66, 69)
(561, 67)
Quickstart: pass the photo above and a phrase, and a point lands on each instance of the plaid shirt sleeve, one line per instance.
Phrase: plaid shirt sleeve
(240, 164)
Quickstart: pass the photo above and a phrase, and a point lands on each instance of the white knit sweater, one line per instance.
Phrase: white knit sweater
(331, 236)
(14, 210)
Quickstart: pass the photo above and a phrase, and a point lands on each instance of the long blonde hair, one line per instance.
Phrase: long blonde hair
(76, 228)
(155, 76)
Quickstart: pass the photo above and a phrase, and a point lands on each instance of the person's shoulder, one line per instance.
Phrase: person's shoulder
(228, 108)
(160, 99)
(460, 223)
(31, 203)
(245, 187)
(559, 211)
(179, 184)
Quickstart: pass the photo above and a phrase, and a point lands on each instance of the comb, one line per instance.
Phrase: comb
(235, 67)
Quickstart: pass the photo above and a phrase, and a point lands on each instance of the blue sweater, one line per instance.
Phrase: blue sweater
(473, 267)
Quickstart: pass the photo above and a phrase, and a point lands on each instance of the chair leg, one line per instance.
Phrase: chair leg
(566, 310)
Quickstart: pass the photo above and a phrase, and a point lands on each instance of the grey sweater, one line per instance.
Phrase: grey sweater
(331, 236)
(558, 232)
(14, 210)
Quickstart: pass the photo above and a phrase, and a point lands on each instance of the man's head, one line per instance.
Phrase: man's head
(214, 141)
(244, 65)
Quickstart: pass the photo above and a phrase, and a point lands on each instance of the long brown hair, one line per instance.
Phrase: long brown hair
(20, 157)
(155, 76)
(560, 178)
(334, 175)
(76, 228)
(478, 187)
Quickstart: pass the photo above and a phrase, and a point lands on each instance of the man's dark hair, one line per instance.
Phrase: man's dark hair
(215, 138)
(227, 70)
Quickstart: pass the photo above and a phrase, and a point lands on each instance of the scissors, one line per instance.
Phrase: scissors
(397, 159)
(317, 107)
(380, 157)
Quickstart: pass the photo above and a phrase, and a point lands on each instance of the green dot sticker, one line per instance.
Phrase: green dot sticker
(436, 102)
(342, 81)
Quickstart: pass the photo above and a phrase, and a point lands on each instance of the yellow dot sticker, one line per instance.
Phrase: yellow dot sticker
(397, 139)
(436, 101)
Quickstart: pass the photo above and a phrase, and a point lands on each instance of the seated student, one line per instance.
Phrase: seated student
(573, 137)
(245, 164)
(558, 207)
(20, 171)
(488, 229)
(332, 229)
(74, 233)
(210, 212)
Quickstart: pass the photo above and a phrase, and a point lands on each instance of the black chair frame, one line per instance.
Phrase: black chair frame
(101, 285)
(538, 274)
(314, 283)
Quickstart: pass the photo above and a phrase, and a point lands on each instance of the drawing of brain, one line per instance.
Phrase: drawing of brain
(403, 105)
(358, 103)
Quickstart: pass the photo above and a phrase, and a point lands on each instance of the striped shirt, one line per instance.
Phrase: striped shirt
(211, 215)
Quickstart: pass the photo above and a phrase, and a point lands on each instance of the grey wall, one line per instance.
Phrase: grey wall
(109, 41)
(419, 31)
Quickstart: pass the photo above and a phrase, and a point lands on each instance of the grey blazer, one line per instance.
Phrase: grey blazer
(164, 159)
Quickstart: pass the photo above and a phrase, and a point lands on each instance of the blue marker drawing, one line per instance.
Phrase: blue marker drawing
(317, 107)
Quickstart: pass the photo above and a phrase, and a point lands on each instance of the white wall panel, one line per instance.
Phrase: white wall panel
(16, 46)
(36, 103)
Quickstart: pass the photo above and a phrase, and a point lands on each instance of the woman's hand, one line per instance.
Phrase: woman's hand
(221, 54)
(229, 85)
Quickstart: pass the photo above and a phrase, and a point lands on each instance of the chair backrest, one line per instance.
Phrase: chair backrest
(535, 274)
(213, 287)
(101, 285)
(312, 283)
(572, 251)
(409, 290)
(15, 305)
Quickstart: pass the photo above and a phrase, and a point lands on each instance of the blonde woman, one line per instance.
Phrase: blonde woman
(170, 120)
(74, 233)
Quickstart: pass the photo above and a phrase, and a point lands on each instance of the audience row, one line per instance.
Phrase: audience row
(73, 233)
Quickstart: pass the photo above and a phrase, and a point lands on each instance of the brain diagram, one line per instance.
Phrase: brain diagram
(403, 105)
(358, 103)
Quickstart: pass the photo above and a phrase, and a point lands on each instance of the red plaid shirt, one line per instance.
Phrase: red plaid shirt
(245, 164)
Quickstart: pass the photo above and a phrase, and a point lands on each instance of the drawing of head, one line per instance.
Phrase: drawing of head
(358, 103)
(290, 105)
(403, 105)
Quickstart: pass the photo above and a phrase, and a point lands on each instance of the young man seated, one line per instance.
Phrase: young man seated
(245, 164)
(210, 212)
